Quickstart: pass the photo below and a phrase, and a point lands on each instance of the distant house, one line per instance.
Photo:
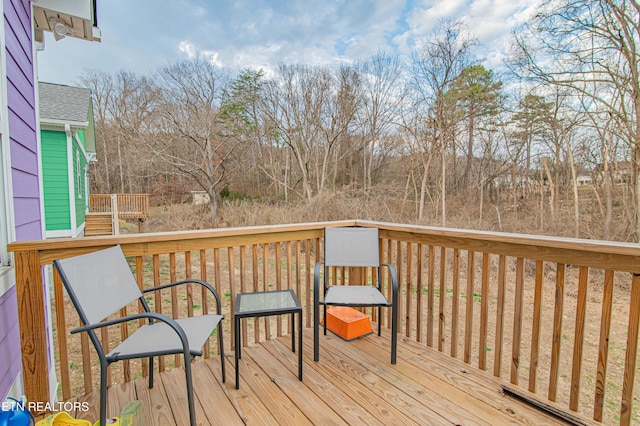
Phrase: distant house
(582, 180)
(67, 139)
(620, 172)
(200, 198)
(21, 209)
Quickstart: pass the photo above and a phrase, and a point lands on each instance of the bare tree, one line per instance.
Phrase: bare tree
(383, 95)
(132, 110)
(101, 85)
(124, 107)
(602, 159)
(435, 67)
(195, 136)
(590, 47)
(312, 111)
(564, 124)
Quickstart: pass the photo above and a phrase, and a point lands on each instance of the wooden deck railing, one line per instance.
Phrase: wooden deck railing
(130, 206)
(519, 307)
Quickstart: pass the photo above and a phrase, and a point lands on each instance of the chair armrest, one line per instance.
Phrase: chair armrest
(316, 277)
(394, 281)
(154, 316)
(141, 315)
(190, 281)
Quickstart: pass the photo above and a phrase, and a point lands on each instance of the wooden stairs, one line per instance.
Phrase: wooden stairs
(105, 211)
(98, 224)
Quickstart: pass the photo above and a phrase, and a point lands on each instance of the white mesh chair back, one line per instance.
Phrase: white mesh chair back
(101, 282)
(351, 247)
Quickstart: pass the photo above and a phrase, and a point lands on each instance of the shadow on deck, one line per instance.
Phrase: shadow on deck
(352, 384)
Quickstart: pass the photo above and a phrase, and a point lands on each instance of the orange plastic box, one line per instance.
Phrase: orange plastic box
(348, 323)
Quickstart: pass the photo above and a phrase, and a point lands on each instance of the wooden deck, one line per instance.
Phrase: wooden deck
(352, 384)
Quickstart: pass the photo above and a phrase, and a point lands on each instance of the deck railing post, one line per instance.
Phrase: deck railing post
(33, 328)
(115, 215)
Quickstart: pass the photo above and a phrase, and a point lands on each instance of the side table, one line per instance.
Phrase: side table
(262, 304)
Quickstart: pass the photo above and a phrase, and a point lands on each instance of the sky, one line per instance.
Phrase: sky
(142, 36)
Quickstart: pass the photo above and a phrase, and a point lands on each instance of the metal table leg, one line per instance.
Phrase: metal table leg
(300, 345)
(236, 322)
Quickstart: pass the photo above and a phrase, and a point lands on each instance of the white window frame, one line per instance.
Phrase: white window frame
(5, 211)
(86, 187)
(78, 175)
(7, 274)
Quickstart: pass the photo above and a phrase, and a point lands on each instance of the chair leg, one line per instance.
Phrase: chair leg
(316, 330)
(379, 320)
(324, 325)
(221, 349)
(187, 372)
(394, 332)
(103, 392)
(150, 372)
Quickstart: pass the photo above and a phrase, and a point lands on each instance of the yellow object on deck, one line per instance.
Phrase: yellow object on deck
(62, 419)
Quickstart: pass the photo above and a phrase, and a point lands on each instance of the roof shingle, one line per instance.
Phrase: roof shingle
(65, 103)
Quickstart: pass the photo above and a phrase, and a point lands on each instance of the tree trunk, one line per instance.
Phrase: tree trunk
(286, 177)
(105, 158)
(552, 188)
(443, 187)
(467, 168)
(423, 191)
(481, 199)
(213, 204)
(574, 184)
(637, 196)
(608, 201)
(120, 166)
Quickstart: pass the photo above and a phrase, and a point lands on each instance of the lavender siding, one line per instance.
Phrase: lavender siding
(9, 341)
(24, 166)
(22, 119)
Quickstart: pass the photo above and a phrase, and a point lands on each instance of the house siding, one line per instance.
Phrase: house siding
(22, 119)
(80, 195)
(9, 344)
(55, 180)
(23, 150)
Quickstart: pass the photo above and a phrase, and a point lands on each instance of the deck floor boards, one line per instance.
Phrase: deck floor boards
(352, 384)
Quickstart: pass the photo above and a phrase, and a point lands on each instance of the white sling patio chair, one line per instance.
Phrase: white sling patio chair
(100, 284)
(353, 247)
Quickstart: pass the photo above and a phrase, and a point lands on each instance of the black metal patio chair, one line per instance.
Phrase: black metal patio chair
(100, 284)
(353, 247)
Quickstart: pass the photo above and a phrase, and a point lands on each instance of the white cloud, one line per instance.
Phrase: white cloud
(143, 35)
(490, 19)
(192, 51)
(188, 48)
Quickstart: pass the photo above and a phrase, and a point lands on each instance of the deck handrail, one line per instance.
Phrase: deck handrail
(130, 206)
(462, 292)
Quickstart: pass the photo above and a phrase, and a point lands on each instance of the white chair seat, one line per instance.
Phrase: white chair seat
(160, 338)
(354, 295)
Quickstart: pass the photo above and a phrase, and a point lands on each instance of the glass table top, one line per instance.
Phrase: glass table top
(266, 301)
